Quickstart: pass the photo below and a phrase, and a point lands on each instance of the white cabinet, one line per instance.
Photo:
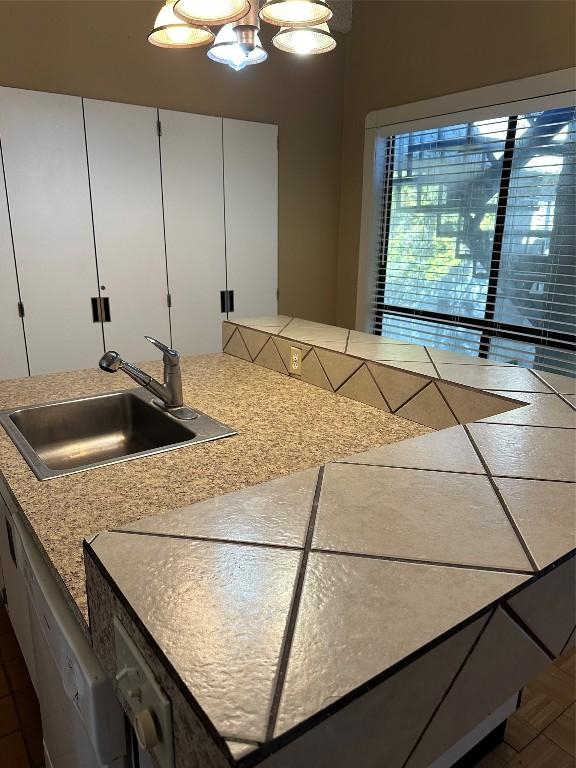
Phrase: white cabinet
(44, 155)
(191, 152)
(251, 196)
(124, 165)
(13, 361)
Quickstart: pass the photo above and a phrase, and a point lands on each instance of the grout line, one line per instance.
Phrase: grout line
(293, 614)
(433, 363)
(503, 504)
(347, 379)
(534, 479)
(280, 354)
(234, 332)
(214, 540)
(450, 686)
(414, 469)
(281, 331)
(347, 342)
(511, 613)
(378, 387)
(245, 344)
(243, 740)
(415, 561)
(323, 369)
(567, 641)
(412, 398)
(517, 424)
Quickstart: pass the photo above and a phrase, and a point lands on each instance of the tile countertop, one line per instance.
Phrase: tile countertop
(280, 602)
(283, 427)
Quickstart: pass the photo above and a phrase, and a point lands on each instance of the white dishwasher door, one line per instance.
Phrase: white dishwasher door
(82, 720)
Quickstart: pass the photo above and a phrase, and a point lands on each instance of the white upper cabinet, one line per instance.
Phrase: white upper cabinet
(124, 165)
(191, 151)
(251, 196)
(44, 154)
(12, 348)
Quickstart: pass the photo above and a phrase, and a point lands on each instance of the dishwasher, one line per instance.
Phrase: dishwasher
(83, 723)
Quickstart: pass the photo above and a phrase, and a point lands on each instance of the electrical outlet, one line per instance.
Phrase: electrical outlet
(295, 360)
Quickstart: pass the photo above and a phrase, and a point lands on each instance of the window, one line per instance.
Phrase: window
(476, 238)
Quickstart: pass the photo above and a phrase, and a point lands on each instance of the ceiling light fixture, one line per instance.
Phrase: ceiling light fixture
(171, 32)
(238, 44)
(303, 28)
(211, 12)
(295, 13)
(305, 41)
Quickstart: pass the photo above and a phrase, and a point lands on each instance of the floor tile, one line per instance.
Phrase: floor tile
(9, 648)
(237, 347)
(538, 708)
(254, 340)
(545, 514)
(504, 658)
(396, 385)
(562, 733)
(271, 322)
(315, 333)
(220, 617)
(531, 452)
(358, 337)
(385, 720)
(276, 512)
(426, 368)
(410, 353)
(33, 739)
(227, 331)
(566, 385)
(544, 411)
(359, 616)
(567, 663)
(548, 606)
(428, 407)
(542, 753)
(13, 751)
(404, 513)
(27, 705)
(443, 356)
(519, 733)
(493, 377)
(313, 373)
(449, 450)
(17, 673)
(8, 716)
(4, 689)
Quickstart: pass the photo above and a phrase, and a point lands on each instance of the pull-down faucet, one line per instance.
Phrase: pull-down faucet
(170, 392)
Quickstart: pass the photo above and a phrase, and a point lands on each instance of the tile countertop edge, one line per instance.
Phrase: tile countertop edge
(264, 750)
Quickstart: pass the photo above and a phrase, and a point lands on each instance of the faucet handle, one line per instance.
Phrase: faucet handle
(170, 355)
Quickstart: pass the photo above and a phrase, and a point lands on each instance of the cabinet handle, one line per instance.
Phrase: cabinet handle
(100, 309)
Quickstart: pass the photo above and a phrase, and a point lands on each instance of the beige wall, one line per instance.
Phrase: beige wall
(398, 51)
(99, 50)
(407, 50)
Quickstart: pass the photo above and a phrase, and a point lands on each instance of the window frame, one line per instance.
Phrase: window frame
(548, 91)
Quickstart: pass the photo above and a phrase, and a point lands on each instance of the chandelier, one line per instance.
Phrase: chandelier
(302, 28)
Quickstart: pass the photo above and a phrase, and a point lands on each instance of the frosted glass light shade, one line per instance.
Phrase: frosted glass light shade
(295, 13)
(305, 41)
(171, 32)
(210, 12)
(227, 49)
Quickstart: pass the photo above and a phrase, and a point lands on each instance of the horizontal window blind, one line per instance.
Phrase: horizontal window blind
(476, 238)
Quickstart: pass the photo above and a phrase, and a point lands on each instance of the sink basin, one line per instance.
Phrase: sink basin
(76, 435)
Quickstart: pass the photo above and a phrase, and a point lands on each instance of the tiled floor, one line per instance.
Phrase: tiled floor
(20, 727)
(541, 734)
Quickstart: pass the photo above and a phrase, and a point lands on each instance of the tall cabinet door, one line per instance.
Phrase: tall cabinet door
(44, 154)
(13, 361)
(251, 195)
(124, 165)
(191, 150)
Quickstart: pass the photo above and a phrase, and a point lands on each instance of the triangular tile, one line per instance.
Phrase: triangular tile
(448, 450)
(372, 614)
(503, 661)
(338, 367)
(254, 340)
(227, 331)
(386, 719)
(284, 345)
(471, 404)
(269, 357)
(313, 373)
(547, 606)
(362, 387)
(237, 347)
(428, 407)
(544, 514)
(397, 386)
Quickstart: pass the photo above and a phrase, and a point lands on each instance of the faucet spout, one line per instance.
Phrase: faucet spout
(170, 392)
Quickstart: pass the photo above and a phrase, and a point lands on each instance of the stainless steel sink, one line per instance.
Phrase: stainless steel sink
(76, 435)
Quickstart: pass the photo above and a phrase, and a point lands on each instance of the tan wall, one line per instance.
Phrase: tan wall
(407, 50)
(99, 50)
